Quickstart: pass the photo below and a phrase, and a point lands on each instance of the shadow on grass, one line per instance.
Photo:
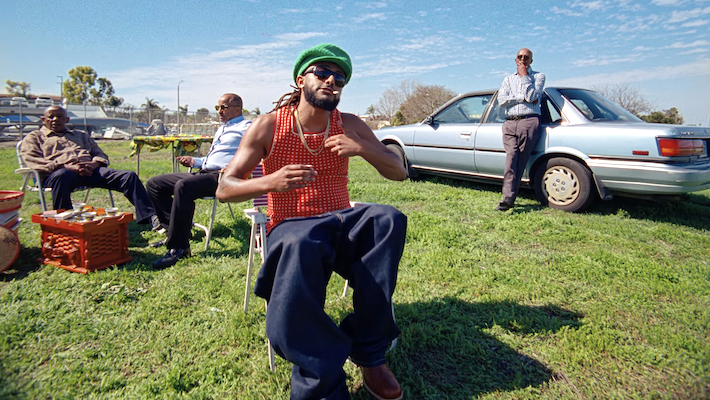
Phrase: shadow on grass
(444, 350)
(25, 264)
(692, 210)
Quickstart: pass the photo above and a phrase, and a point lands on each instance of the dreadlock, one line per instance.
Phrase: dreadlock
(288, 99)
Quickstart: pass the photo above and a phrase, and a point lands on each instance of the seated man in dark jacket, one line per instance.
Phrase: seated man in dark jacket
(70, 159)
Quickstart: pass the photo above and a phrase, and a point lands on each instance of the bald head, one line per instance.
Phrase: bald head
(525, 56)
(55, 119)
(229, 106)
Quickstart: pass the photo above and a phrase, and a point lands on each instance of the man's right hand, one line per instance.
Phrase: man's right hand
(291, 177)
(522, 69)
(78, 168)
(186, 161)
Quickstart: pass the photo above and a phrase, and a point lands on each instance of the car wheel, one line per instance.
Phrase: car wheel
(564, 184)
(402, 158)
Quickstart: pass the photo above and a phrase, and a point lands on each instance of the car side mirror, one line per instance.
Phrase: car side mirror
(429, 120)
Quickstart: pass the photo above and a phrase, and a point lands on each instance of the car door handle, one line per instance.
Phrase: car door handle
(465, 135)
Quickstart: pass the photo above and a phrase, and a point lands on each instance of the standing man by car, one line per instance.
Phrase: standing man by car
(68, 159)
(520, 97)
(305, 145)
(174, 195)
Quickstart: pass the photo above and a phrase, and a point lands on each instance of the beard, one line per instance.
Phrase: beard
(325, 104)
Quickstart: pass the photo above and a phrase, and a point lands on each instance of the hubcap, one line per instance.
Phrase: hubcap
(561, 185)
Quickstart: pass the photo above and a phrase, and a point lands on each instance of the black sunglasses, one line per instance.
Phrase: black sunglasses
(221, 107)
(324, 73)
(523, 57)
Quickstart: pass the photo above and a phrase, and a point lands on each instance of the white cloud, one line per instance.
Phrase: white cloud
(696, 68)
(569, 13)
(589, 6)
(471, 39)
(679, 45)
(700, 22)
(297, 37)
(604, 60)
(680, 16)
(294, 11)
(376, 16)
(667, 2)
(694, 51)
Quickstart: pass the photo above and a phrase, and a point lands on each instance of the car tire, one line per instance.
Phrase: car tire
(402, 158)
(564, 184)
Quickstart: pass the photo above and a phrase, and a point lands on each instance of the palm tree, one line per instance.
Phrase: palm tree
(149, 106)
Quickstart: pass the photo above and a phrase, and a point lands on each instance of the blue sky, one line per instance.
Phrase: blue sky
(659, 47)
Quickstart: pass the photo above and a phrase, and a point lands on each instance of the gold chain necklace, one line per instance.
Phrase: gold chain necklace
(303, 138)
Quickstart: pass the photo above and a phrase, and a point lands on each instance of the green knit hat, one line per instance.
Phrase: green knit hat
(323, 52)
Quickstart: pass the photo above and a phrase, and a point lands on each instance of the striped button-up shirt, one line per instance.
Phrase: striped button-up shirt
(518, 93)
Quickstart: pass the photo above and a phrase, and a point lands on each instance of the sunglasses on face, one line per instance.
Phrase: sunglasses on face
(523, 57)
(324, 73)
(221, 107)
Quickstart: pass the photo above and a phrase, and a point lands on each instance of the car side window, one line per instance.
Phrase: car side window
(496, 115)
(466, 110)
(550, 115)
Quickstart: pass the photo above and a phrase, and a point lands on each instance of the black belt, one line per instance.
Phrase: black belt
(519, 117)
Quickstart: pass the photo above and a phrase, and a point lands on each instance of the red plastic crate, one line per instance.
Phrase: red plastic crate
(84, 246)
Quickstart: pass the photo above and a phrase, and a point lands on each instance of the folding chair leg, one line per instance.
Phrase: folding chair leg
(209, 231)
(42, 200)
(86, 196)
(110, 196)
(345, 289)
(250, 265)
(272, 358)
(230, 210)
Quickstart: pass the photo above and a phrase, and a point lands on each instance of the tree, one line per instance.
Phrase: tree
(76, 88)
(671, 116)
(18, 89)
(398, 119)
(626, 96)
(393, 98)
(84, 84)
(370, 110)
(423, 101)
(202, 114)
(257, 111)
(149, 106)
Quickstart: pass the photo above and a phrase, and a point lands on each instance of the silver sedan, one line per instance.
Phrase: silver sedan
(590, 147)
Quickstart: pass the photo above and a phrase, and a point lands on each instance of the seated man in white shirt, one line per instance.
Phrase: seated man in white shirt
(174, 195)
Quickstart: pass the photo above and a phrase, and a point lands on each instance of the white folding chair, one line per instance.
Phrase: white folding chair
(208, 230)
(36, 184)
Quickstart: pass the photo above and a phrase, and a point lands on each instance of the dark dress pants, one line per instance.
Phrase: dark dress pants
(519, 139)
(362, 244)
(174, 195)
(63, 182)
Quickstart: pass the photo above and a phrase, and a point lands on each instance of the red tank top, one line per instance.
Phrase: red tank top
(328, 192)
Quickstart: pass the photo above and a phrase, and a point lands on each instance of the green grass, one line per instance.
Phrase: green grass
(533, 303)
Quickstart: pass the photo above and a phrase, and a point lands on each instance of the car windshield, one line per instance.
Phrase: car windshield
(595, 107)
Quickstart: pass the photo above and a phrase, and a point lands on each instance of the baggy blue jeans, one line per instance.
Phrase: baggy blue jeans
(362, 244)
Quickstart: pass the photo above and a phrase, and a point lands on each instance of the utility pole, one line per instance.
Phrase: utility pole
(61, 89)
(178, 107)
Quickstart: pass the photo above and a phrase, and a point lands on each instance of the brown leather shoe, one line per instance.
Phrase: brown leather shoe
(381, 383)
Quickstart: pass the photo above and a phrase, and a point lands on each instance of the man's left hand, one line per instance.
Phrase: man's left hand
(88, 168)
(345, 145)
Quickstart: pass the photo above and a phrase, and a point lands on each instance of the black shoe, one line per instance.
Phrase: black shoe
(159, 243)
(171, 258)
(503, 206)
(155, 224)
